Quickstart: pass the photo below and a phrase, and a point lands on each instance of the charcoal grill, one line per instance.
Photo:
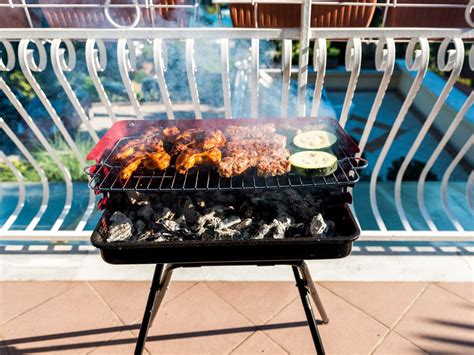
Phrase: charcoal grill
(197, 253)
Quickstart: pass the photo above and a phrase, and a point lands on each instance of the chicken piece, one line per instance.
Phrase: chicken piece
(131, 166)
(128, 149)
(152, 134)
(209, 157)
(157, 160)
(184, 140)
(199, 139)
(151, 143)
(170, 133)
(191, 157)
(213, 139)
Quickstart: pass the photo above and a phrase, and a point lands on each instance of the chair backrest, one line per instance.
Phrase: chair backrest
(289, 15)
(96, 18)
(427, 17)
(13, 17)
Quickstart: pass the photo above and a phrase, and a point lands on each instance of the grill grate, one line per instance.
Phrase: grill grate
(105, 177)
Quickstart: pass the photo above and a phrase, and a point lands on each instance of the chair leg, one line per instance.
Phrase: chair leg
(306, 274)
(154, 288)
(300, 283)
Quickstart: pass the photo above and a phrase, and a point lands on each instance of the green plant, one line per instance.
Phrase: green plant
(334, 52)
(51, 170)
(24, 167)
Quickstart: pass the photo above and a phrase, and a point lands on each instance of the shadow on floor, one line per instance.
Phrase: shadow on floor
(10, 344)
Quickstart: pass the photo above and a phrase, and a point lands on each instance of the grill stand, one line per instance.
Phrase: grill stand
(304, 283)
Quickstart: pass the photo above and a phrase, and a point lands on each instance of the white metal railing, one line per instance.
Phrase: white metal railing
(30, 50)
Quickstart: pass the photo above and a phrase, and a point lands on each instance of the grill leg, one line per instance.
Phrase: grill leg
(160, 295)
(312, 291)
(300, 283)
(154, 288)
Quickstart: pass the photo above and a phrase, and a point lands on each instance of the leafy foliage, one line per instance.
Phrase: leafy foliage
(52, 171)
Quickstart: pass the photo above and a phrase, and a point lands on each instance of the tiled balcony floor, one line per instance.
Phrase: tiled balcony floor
(236, 317)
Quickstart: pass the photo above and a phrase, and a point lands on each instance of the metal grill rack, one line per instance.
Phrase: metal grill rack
(105, 177)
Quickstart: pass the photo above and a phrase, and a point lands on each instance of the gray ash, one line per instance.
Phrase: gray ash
(218, 216)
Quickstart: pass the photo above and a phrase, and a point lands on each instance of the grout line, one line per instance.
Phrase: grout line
(111, 311)
(411, 342)
(105, 302)
(230, 304)
(241, 343)
(354, 305)
(269, 339)
(193, 283)
(392, 327)
(139, 320)
(276, 315)
(256, 326)
(451, 292)
(46, 300)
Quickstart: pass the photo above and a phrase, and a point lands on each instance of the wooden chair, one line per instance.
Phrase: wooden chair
(289, 15)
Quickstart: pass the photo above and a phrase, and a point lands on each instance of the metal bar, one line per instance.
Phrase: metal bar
(469, 191)
(434, 156)
(445, 180)
(37, 132)
(44, 180)
(303, 58)
(154, 289)
(353, 63)
(286, 56)
(254, 77)
(59, 64)
(235, 33)
(454, 64)
(96, 60)
(225, 72)
(319, 64)
(420, 64)
(344, 3)
(21, 192)
(308, 280)
(191, 72)
(126, 61)
(432, 236)
(93, 6)
(160, 295)
(28, 64)
(160, 59)
(392, 235)
(384, 61)
(300, 284)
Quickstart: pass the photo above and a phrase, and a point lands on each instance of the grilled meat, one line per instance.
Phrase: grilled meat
(199, 139)
(170, 133)
(260, 148)
(215, 139)
(233, 166)
(191, 157)
(157, 160)
(148, 150)
(273, 166)
(133, 164)
(264, 146)
(250, 132)
(245, 147)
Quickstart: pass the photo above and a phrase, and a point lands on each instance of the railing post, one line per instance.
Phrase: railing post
(303, 58)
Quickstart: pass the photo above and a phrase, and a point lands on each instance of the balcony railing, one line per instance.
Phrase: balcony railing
(34, 51)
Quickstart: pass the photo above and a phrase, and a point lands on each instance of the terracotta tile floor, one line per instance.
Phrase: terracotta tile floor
(236, 317)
